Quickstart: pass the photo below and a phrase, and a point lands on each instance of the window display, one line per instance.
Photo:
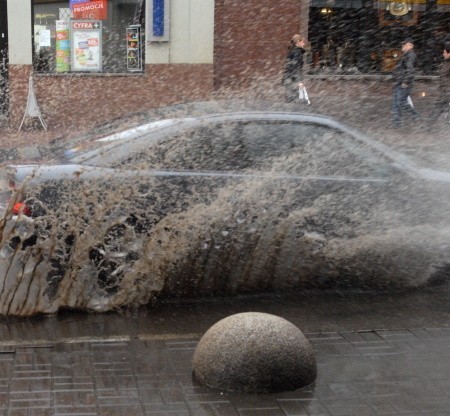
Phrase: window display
(59, 46)
(134, 61)
(363, 36)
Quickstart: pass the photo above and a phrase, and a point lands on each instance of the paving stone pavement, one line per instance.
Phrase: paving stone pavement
(381, 372)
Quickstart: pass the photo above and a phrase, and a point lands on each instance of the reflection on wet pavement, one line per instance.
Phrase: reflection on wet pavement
(310, 311)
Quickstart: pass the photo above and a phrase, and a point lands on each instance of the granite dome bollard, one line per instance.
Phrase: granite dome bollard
(254, 352)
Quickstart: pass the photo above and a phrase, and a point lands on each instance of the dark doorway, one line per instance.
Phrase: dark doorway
(3, 59)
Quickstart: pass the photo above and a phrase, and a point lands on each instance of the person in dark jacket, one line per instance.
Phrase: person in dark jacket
(293, 72)
(442, 104)
(404, 81)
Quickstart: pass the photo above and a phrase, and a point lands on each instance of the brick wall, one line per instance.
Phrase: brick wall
(84, 100)
(250, 46)
(251, 38)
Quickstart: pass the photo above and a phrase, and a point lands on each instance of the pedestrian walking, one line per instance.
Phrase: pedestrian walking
(404, 81)
(442, 104)
(293, 72)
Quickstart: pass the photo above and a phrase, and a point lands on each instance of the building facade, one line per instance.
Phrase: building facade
(83, 76)
(353, 44)
(97, 60)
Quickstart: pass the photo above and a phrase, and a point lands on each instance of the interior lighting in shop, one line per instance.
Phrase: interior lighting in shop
(326, 10)
(397, 8)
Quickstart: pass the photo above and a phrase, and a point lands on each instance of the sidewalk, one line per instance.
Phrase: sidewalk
(377, 354)
(403, 372)
(33, 143)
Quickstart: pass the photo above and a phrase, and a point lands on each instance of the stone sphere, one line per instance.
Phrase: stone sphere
(254, 353)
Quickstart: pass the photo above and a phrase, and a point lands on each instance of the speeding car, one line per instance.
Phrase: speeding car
(220, 204)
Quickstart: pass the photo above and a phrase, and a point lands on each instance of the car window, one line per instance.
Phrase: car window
(281, 147)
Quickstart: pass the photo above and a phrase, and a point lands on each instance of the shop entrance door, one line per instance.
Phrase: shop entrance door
(3, 60)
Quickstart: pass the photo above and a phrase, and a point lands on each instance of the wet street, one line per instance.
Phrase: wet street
(377, 354)
(311, 312)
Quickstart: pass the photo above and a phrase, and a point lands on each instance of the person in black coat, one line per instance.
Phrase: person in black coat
(442, 105)
(404, 81)
(293, 71)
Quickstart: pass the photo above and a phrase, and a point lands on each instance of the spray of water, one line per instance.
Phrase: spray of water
(122, 240)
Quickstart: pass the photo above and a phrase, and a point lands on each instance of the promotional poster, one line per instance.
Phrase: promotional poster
(86, 42)
(62, 46)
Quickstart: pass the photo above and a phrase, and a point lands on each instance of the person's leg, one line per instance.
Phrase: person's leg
(406, 107)
(291, 91)
(396, 107)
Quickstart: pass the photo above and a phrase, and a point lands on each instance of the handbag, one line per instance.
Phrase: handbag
(409, 101)
(303, 95)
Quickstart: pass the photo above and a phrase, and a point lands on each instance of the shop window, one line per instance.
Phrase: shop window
(364, 36)
(111, 41)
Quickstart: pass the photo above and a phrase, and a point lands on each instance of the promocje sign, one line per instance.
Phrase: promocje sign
(89, 9)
